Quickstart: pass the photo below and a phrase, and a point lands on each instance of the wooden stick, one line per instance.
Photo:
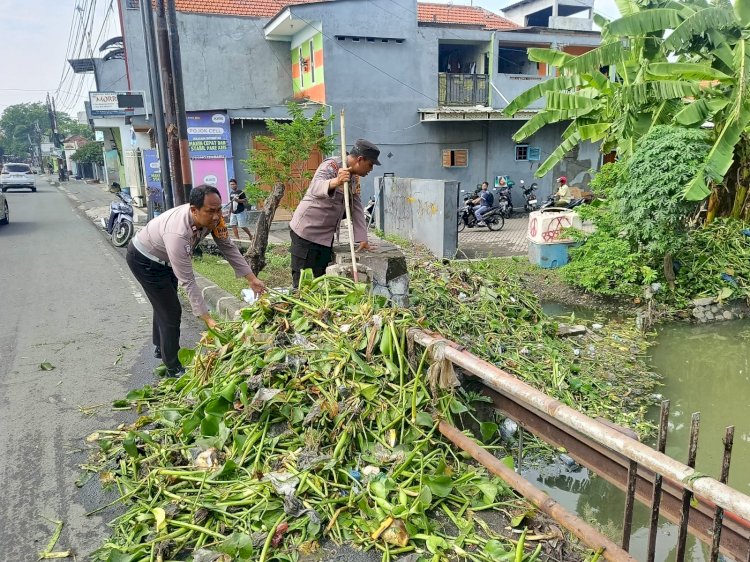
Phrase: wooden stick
(350, 225)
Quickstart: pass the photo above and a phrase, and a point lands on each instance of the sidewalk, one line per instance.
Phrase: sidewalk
(484, 243)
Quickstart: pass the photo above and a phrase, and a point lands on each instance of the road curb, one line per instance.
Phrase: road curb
(220, 301)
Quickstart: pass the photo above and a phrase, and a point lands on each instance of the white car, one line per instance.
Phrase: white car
(4, 212)
(17, 176)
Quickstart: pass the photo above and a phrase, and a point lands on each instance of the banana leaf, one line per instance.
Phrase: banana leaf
(647, 21)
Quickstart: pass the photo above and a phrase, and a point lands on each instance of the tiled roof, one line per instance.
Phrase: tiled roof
(249, 8)
(462, 15)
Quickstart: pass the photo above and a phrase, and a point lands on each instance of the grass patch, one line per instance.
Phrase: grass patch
(277, 272)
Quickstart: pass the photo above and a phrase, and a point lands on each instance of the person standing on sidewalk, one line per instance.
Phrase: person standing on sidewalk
(317, 217)
(160, 256)
(238, 217)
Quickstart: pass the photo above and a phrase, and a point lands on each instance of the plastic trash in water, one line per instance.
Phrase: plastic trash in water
(729, 279)
(746, 231)
(249, 296)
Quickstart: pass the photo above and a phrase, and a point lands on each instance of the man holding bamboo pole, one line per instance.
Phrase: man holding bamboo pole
(318, 216)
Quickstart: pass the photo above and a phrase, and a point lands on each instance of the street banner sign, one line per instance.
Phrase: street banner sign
(208, 135)
(109, 104)
(152, 169)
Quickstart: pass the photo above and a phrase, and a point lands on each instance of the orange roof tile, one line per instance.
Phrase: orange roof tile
(462, 15)
(249, 8)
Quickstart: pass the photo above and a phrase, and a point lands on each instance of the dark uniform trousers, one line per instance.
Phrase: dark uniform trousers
(160, 285)
(308, 255)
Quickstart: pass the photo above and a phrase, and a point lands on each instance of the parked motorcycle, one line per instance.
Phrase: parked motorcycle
(530, 202)
(504, 199)
(369, 212)
(550, 202)
(120, 225)
(493, 218)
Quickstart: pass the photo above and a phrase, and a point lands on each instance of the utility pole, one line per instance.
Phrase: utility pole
(157, 109)
(179, 97)
(165, 68)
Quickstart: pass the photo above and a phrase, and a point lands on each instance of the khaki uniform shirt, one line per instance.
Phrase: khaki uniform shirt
(172, 237)
(318, 216)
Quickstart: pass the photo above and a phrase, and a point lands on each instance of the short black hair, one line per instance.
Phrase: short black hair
(198, 194)
(233, 180)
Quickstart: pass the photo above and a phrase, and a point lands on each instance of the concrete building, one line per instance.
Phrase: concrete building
(426, 82)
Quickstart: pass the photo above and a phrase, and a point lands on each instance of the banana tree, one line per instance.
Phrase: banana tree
(682, 62)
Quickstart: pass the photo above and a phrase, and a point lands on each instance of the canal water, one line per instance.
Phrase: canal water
(706, 369)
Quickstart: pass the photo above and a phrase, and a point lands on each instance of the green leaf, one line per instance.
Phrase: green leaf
(552, 57)
(457, 407)
(509, 462)
(518, 519)
(604, 55)
(160, 516)
(686, 71)
(567, 101)
(489, 490)
(229, 392)
(186, 356)
(436, 544)
(725, 293)
(535, 92)
(697, 25)
(558, 154)
(210, 426)
(46, 366)
(218, 407)
(424, 419)
(488, 431)
(129, 444)
(496, 551)
(440, 486)
(647, 21)
(699, 111)
(594, 132)
(742, 9)
(237, 545)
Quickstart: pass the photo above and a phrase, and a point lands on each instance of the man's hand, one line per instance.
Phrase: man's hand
(210, 322)
(343, 176)
(256, 284)
(364, 246)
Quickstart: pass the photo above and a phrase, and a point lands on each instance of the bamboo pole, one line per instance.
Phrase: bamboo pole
(350, 218)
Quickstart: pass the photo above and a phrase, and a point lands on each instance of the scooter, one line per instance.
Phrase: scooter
(550, 202)
(369, 212)
(120, 225)
(504, 199)
(529, 197)
(493, 218)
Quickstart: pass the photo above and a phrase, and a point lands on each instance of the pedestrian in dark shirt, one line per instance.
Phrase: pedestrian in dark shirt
(238, 216)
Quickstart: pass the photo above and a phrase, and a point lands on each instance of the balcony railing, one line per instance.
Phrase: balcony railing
(463, 89)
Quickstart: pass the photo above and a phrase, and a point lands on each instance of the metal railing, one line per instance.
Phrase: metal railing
(463, 89)
(712, 511)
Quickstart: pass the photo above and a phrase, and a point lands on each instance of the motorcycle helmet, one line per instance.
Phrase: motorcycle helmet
(562, 179)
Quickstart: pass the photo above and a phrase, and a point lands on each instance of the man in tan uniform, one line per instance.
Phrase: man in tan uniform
(319, 214)
(161, 254)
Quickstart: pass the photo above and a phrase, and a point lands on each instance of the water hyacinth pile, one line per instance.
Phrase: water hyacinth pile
(309, 420)
(483, 306)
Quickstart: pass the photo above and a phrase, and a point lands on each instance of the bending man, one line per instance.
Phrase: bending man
(161, 254)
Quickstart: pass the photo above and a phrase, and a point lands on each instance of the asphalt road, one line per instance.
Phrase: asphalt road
(67, 298)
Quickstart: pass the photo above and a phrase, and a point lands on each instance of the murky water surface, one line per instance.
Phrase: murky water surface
(705, 369)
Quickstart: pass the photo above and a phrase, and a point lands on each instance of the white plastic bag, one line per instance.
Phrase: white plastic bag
(249, 296)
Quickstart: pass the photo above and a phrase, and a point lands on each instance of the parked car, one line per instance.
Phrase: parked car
(4, 212)
(17, 176)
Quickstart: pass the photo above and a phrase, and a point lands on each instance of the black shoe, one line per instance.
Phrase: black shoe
(175, 373)
(157, 352)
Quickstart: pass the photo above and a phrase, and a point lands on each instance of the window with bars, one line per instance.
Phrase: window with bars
(522, 152)
(456, 158)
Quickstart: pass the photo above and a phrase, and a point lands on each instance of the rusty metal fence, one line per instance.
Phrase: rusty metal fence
(709, 509)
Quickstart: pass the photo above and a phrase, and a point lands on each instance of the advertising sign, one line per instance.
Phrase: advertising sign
(212, 171)
(208, 135)
(114, 103)
(152, 170)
